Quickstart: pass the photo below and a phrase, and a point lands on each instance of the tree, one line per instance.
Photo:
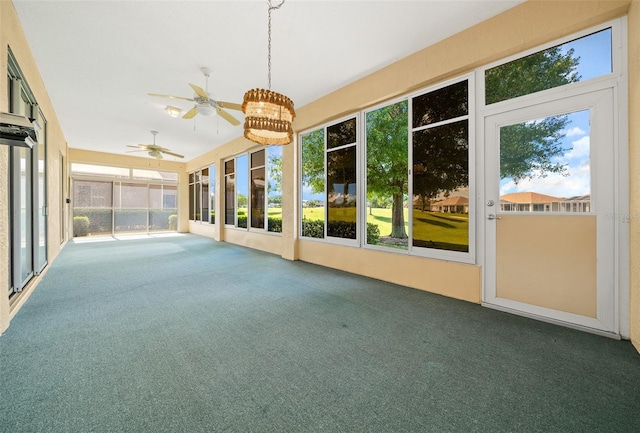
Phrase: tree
(527, 149)
(387, 150)
(313, 160)
(440, 160)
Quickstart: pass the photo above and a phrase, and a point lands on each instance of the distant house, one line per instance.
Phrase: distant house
(456, 204)
(579, 203)
(529, 202)
(536, 202)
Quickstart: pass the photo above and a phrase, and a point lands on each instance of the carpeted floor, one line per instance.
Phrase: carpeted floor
(184, 334)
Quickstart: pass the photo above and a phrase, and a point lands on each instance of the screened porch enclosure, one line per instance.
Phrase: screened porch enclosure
(140, 201)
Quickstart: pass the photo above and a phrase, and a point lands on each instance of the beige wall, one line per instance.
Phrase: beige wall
(634, 173)
(11, 35)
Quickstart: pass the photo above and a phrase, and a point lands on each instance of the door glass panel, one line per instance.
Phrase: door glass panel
(545, 165)
(131, 203)
(92, 207)
(26, 203)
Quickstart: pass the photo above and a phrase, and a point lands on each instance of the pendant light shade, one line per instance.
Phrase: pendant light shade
(268, 115)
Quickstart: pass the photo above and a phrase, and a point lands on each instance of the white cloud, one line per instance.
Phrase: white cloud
(580, 150)
(575, 131)
(578, 182)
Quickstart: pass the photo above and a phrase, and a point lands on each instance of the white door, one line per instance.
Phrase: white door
(549, 212)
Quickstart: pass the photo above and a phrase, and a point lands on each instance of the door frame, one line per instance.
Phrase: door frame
(601, 106)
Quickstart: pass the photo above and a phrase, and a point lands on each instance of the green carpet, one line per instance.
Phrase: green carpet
(185, 334)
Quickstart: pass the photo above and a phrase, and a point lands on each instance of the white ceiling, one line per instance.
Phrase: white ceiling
(100, 59)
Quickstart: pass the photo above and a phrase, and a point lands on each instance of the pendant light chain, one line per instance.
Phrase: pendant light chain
(271, 7)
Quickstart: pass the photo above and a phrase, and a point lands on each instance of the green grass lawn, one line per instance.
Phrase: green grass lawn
(447, 231)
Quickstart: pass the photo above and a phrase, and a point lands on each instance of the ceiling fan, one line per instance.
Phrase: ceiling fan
(153, 150)
(204, 104)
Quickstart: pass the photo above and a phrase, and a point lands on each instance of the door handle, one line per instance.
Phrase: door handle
(493, 216)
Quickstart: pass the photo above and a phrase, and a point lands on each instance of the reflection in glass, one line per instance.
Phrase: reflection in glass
(440, 187)
(212, 194)
(274, 185)
(242, 189)
(387, 175)
(545, 165)
(204, 216)
(341, 134)
(257, 197)
(312, 174)
(341, 193)
(578, 60)
(229, 194)
(442, 104)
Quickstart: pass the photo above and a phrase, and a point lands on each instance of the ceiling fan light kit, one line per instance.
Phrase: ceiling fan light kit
(268, 115)
(173, 111)
(153, 150)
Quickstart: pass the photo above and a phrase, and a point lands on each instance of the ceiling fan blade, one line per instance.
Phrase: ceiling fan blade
(191, 113)
(229, 105)
(199, 91)
(172, 153)
(172, 97)
(228, 117)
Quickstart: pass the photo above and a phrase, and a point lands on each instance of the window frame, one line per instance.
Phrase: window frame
(248, 154)
(457, 256)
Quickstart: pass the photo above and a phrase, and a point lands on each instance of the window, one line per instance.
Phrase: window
(274, 189)
(313, 184)
(242, 190)
(330, 206)
(254, 188)
(229, 192)
(578, 60)
(212, 194)
(258, 189)
(417, 170)
(199, 196)
(387, 187)
(440, 176)
(105, 203)
(342, 182)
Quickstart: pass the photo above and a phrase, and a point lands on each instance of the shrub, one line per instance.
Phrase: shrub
(80, 226)
(340, 229)
(274, 224)
(173, 222)
(313, 229)
(373, 233)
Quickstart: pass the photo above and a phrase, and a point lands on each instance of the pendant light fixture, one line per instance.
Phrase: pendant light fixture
(268, 115)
